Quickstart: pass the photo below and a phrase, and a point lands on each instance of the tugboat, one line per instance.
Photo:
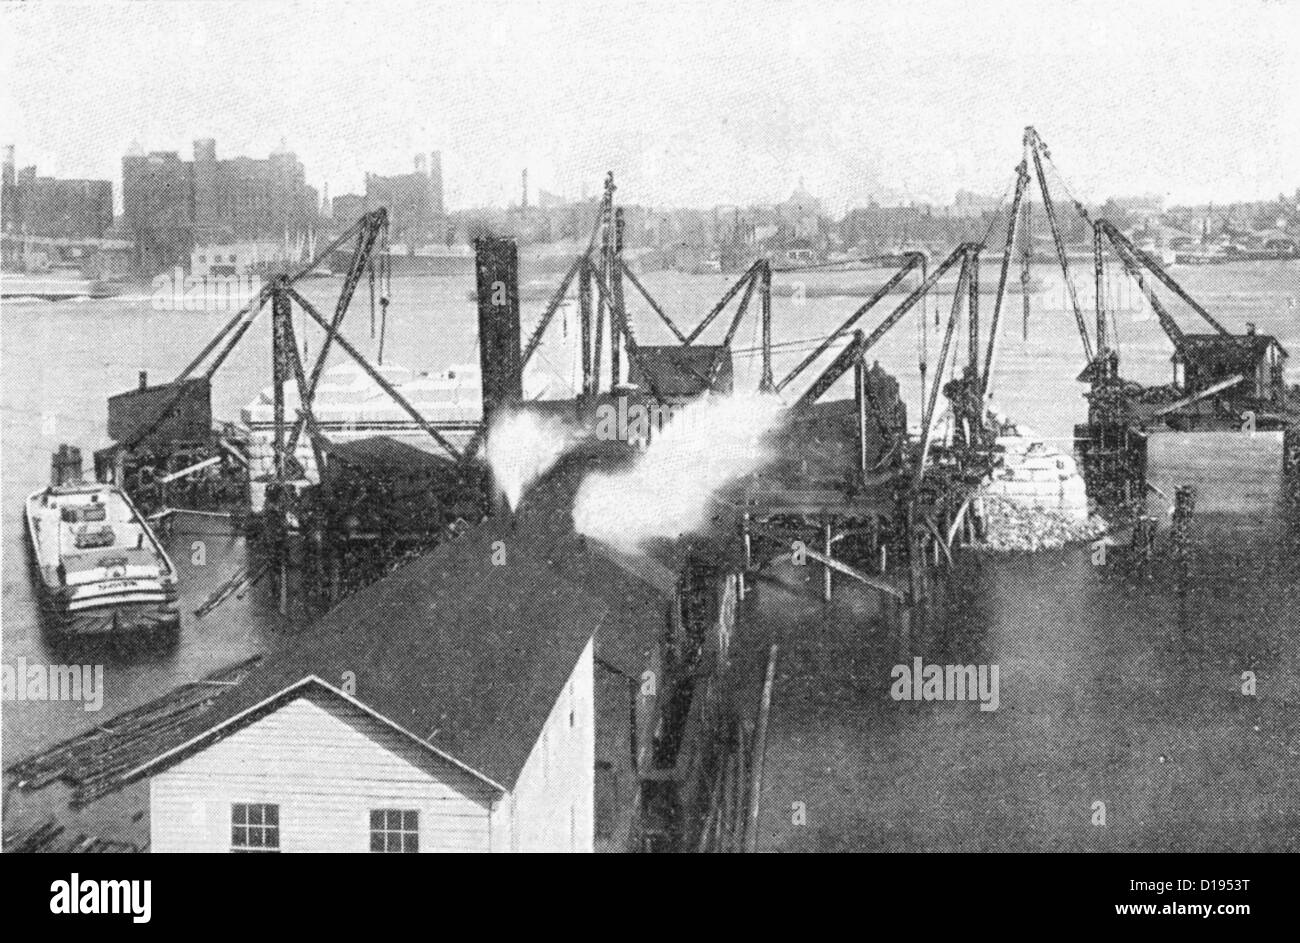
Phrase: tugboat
(98, 568)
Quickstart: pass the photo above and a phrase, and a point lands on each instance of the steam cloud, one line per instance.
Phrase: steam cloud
(668, 492)
(522, 447)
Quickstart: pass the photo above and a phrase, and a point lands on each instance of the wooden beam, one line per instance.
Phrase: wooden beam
(1208, 391)
(874, 582)
(913, 259)
(766, 382)
(366, 236)
(717, 308)
(663, 316)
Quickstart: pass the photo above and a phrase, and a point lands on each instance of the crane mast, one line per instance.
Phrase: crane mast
(1034, 144)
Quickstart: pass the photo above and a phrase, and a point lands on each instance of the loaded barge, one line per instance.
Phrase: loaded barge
(99, 569)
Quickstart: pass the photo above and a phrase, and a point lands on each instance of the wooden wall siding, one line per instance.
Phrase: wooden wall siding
(615, 789)
(327, 764)
(613, 711)
(552, 808)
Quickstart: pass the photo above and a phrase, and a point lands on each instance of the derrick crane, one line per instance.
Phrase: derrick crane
(1134, 260)
(1203, 355)
(1242, 373)
(368, 233)
(855, 352)
(365, 231)
(146, 429)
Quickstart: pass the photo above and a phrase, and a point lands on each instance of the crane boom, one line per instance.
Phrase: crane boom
(1022, 180)
(1034, 143)
(912, 260)
(1125, 245)
(841, 364)
(970, 259)
(371, 226)
(365, 229)
(1133, 266)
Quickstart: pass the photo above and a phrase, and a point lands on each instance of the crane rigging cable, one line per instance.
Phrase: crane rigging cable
(370, 275)
(923, 336)
(1037, 150)
(1133, 260)
(385, 289)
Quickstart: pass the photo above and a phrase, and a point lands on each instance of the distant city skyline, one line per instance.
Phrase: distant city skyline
(1194, 101)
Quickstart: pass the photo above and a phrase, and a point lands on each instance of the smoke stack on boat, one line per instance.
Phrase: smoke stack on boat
(65, 466)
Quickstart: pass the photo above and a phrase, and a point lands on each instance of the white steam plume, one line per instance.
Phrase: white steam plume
(523, 446)
(668, 492)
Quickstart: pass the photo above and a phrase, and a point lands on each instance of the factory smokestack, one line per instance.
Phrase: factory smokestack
(496, 265)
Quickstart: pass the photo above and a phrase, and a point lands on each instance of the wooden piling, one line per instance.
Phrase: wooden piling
(826, 570)
(760, 753)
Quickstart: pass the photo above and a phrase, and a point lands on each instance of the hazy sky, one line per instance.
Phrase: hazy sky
(690, 103)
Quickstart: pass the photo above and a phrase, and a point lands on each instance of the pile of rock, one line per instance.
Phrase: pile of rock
(1011, 526)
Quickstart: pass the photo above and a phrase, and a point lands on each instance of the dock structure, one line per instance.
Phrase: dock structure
(554, 690)
(614, 364)
(850, 481)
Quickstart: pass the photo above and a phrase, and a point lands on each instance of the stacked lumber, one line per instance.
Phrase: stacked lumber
(94, 763)
(48, 838)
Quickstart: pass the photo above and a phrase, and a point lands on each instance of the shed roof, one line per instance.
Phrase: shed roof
(1254, 346)
(310, 687)
(468, 649)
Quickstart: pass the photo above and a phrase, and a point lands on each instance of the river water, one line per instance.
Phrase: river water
(1100, 669)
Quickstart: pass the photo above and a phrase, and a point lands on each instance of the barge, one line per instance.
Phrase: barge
(98, 567)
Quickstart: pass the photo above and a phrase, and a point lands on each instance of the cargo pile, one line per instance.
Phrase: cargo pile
(1011, 526)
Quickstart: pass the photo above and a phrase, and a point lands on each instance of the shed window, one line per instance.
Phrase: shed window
(395, 831)
(254, 826)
